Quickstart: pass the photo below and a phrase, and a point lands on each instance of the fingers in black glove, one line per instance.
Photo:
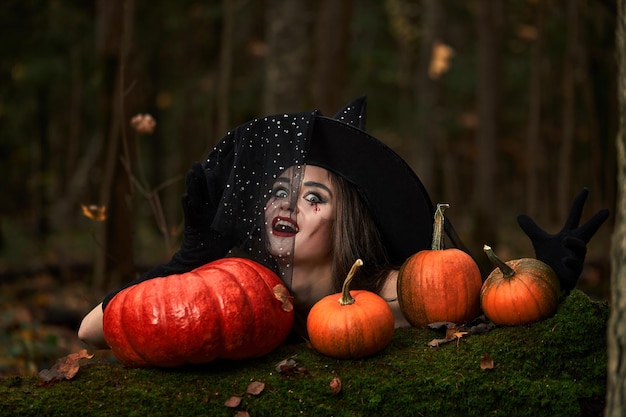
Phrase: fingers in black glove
(200, 244)
(565, 251)
(197, 207)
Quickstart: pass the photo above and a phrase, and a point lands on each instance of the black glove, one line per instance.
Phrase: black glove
(565, 251)
(200, 243)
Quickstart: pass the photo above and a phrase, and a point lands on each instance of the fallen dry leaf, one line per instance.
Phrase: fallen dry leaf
(65, 368)
(143, 124)
(439, 325)
(440, 59)
(458, 336)
(287, 366)
(481, 328)
(486, 362)
(335, 386)
(527, 32)
(453, 332)
(438, 342)
(233, 402)
(255, 387)
(282, 294)
(242, 414)
(94, 212)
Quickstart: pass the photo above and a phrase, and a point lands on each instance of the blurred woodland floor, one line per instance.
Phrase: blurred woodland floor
(39, 317)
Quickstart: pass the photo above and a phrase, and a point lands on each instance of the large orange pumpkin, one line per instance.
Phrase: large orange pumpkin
(520, 291)
(232, 308)
(350, 324)
(439, 284)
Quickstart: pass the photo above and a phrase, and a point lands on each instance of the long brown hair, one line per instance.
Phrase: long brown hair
(356, 236)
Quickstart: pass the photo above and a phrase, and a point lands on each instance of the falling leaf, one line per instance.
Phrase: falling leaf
(233, 402)
(255, 387)
(143, 124)
(164, 100)
(486, 362)
(335, 386)
(440, 60)
(468, 120)
(527, 32)
(65, 368)
(257, 48)
(94, 212)
(282, 294)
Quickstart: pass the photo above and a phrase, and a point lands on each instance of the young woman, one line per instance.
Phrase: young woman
(322, 232)
(307, 195)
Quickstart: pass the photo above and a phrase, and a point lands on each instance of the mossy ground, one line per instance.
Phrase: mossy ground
(553, 368)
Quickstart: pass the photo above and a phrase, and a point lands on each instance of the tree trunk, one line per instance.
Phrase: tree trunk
(332, 39)
(72, 143)
(485, 201)
(569, 104)
(114, 258)
(288, 36)
(42, 195)
(600, 171)
(225, 71)
(422, 148)
(616, 331)
(535, 161)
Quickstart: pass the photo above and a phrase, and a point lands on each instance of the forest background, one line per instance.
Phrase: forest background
(501, 107)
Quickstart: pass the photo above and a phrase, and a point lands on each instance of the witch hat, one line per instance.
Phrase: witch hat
(255, 153)
(354, 113)
(395, 196)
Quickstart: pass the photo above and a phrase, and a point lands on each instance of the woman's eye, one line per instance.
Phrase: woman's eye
(280, 193)
(313, 198)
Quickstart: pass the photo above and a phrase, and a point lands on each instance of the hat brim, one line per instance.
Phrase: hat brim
(395, 196)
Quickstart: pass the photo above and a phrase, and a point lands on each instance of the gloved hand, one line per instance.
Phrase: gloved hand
(200, 243)
(565, 251)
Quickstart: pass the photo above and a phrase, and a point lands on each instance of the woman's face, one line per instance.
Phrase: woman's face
(303, 223)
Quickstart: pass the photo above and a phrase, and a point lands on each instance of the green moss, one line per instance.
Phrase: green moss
(553, 368)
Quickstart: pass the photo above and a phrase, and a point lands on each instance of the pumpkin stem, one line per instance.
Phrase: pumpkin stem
(438, 226)
(507, 271)
(346, 298)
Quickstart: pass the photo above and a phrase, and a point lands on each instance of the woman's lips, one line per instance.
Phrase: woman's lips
(284, 227)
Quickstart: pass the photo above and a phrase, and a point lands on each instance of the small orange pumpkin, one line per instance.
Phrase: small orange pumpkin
(439, 284)
(520, 291)
(350, 324)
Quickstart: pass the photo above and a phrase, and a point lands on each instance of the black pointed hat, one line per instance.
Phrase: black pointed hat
(354, 113)
(248, 160)
(395, 196)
